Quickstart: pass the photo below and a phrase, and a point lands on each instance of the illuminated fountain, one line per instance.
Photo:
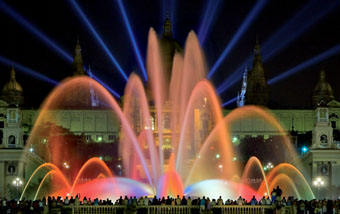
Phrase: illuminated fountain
(198, 160)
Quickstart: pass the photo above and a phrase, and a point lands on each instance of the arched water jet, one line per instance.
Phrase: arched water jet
(158, 85)
(59, 98)
(175, 94)
(55, 172)
(250, 163)
(194, 70)
(205, 88)
(133, 88)
(42, 166)
(170, 184)
(291, 171)
(101, 176)
(250, 111)
(94, 160)
(287, 180)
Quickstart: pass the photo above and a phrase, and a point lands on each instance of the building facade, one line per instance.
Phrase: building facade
(101, 126)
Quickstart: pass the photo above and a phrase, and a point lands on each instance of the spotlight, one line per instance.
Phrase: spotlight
(210, 14)
(97, 37)
(316, 59)
(229, 102)
(283, 37)
(132, 38)
(33, 30)
(244, 26)
(313, 12)
(106, 86)
(41, 37)
(234, 77)
(326, 54)
(28, 71)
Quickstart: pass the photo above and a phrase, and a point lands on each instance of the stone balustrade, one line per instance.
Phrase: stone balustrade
(161, 209)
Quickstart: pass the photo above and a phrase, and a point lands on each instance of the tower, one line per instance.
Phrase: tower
(14, 159)
(241, 96)
(94, 96)
(168, 47)
(323, 91)
(257, 87)
(78, 67)
(322, 131)
(323, 159)
(167, 28)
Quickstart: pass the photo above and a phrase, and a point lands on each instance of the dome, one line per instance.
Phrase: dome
(12, 85)
(323, 90)
(12, 92)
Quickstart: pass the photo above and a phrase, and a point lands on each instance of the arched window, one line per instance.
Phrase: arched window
(323, 140)
(167, 121)
(11, 140)
(1, 136)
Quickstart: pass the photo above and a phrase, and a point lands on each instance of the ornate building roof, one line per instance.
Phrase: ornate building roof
(12, 84)
(12, 91)
(169, 46)
(323, 91)
(257, 86)
(78, 66)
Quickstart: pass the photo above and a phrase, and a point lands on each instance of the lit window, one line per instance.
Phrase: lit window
(99, 138)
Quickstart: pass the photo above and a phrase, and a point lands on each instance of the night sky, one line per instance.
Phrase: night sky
(59, 21)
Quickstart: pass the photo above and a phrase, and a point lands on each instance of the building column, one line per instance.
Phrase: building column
(314, 171)
(330, 165)
(2, 179)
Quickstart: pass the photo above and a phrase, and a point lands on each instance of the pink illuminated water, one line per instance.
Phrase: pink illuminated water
(193, 155)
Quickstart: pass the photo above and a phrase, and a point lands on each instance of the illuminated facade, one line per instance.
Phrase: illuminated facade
(100, 126)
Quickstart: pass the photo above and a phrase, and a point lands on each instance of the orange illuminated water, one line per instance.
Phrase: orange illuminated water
(187, 155)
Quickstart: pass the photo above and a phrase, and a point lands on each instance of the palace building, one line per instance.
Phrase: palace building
(98, 125)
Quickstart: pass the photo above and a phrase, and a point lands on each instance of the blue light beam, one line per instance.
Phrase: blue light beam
(98, 38)
(316, 59)
(133, 39)
(326, 54)
(313, 12)
(229, 102)
(27, 71)
(33, 30)
(210, 13)
(106, 86)
(41, 37)
(244, 26)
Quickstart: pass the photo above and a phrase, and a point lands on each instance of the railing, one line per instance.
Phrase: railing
(165, 209)
(93, 209)
(182, 209)
(235, 209)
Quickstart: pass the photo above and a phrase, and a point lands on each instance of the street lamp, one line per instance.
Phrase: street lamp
(17, 183)
(268, 167)
(221, 169)
(318, 183)
(66, 165)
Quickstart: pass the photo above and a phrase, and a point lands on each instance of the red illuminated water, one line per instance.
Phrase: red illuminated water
(192, 155)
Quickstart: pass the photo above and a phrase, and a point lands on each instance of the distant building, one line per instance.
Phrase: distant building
(99, 125)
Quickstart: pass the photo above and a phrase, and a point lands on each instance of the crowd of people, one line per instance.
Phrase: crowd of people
(45, 205)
